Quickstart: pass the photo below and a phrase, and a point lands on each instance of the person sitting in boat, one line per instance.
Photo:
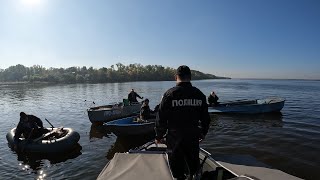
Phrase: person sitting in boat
(156, 109)
(145, 111)
(132, 97)
(30, 127)
(213, 99)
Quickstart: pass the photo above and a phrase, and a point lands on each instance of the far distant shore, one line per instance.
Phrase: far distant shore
(23, 82)
(53, 83)
(19, 74)
(278, 79)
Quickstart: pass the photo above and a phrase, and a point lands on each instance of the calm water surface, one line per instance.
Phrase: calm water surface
(289, 141)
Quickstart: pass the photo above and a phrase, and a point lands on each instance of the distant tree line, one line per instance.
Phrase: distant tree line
(116, 73)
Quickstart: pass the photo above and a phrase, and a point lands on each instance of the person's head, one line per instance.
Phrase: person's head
(146, 101)
(132, 90)
(183, 74)
(23, 116)
(212, 93)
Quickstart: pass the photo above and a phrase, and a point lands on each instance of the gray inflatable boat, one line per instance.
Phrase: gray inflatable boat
(57, 140)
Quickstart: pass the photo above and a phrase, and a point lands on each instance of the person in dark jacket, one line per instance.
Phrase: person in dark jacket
(132, 97)
(29, 126)
(182, 110)
(213, 99)
(156, 108)
(145, 111)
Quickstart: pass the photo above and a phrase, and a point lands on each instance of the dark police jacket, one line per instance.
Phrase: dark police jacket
(132, 97)
(145, 112)
(182, 108)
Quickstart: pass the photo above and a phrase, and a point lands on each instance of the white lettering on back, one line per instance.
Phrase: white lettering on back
(186, 102)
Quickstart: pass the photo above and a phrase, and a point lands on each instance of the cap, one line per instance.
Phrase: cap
(183, 71)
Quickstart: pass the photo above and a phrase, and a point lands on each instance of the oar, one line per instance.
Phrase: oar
(49, 123)
(45, 135)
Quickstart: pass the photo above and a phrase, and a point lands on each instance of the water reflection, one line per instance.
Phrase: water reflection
(99, 131)
(22, 92)
(124, 144)
(33, 162)
(264, 119)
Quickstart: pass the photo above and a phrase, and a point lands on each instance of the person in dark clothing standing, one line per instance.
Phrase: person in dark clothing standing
(213, 99)
(132, 96)
(29, 126)
(181, 109)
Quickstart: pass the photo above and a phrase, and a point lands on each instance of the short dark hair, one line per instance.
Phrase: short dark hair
(184, 72)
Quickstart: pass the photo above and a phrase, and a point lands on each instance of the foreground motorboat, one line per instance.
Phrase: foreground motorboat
(150, 161)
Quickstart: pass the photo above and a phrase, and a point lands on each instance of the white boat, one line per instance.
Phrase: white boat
(101, 114)
(151, 162)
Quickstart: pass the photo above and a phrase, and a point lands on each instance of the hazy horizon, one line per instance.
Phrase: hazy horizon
(237, 39)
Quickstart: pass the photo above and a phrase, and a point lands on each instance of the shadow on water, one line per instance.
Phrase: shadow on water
(36, 161)
(99, 131)
(125, 143)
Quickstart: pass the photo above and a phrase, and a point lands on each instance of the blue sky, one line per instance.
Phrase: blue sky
(239, 39)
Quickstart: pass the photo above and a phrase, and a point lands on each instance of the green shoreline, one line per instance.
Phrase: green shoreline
(74, 75)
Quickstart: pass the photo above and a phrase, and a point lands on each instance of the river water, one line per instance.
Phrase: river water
(289, 141)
